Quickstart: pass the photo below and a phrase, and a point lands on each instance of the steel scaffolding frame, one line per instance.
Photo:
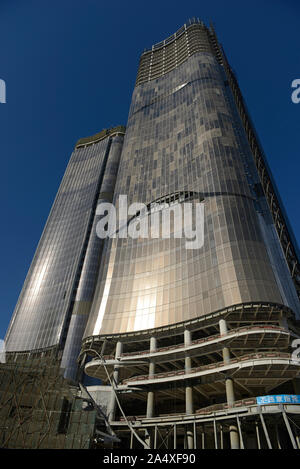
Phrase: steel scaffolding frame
(38, 407)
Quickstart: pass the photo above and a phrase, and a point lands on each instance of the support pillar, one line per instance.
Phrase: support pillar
(233, 430)
(189, 407)
(150, 395)
(221, 438)
(155, 437)
(175, 436)
(195, 435)
(257, 436)
(111, 411)
(216, 435)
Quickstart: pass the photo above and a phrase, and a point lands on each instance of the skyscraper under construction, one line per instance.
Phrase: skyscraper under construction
(139, 341)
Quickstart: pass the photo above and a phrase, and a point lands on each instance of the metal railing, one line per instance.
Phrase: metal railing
(203, 340)
(211, 366)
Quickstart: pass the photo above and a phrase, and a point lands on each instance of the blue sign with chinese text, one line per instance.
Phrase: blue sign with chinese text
(279, 399)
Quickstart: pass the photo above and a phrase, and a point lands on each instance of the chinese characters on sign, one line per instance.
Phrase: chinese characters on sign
(278, 399)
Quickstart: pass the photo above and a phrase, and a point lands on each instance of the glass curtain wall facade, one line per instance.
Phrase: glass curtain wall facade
(184, 135)
(41, 405)
(166, 320)
(54, 302)
(180, 335)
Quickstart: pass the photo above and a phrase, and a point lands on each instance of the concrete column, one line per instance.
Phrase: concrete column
(175, 436)
(224, 331)
(229, 392)
(150, 396)
(189, 407)
(111, 411)
(257, 436)
(233, 430)
(221, 438)
(203, 438)
(234, 435)
(188, 365)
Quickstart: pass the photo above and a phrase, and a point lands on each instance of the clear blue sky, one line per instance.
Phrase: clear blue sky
(70, 68)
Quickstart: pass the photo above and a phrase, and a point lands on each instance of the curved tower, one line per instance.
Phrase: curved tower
(54, 303)
(188, 311)
(167, 311)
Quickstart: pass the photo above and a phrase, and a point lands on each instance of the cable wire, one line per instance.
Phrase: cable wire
(114, 387)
